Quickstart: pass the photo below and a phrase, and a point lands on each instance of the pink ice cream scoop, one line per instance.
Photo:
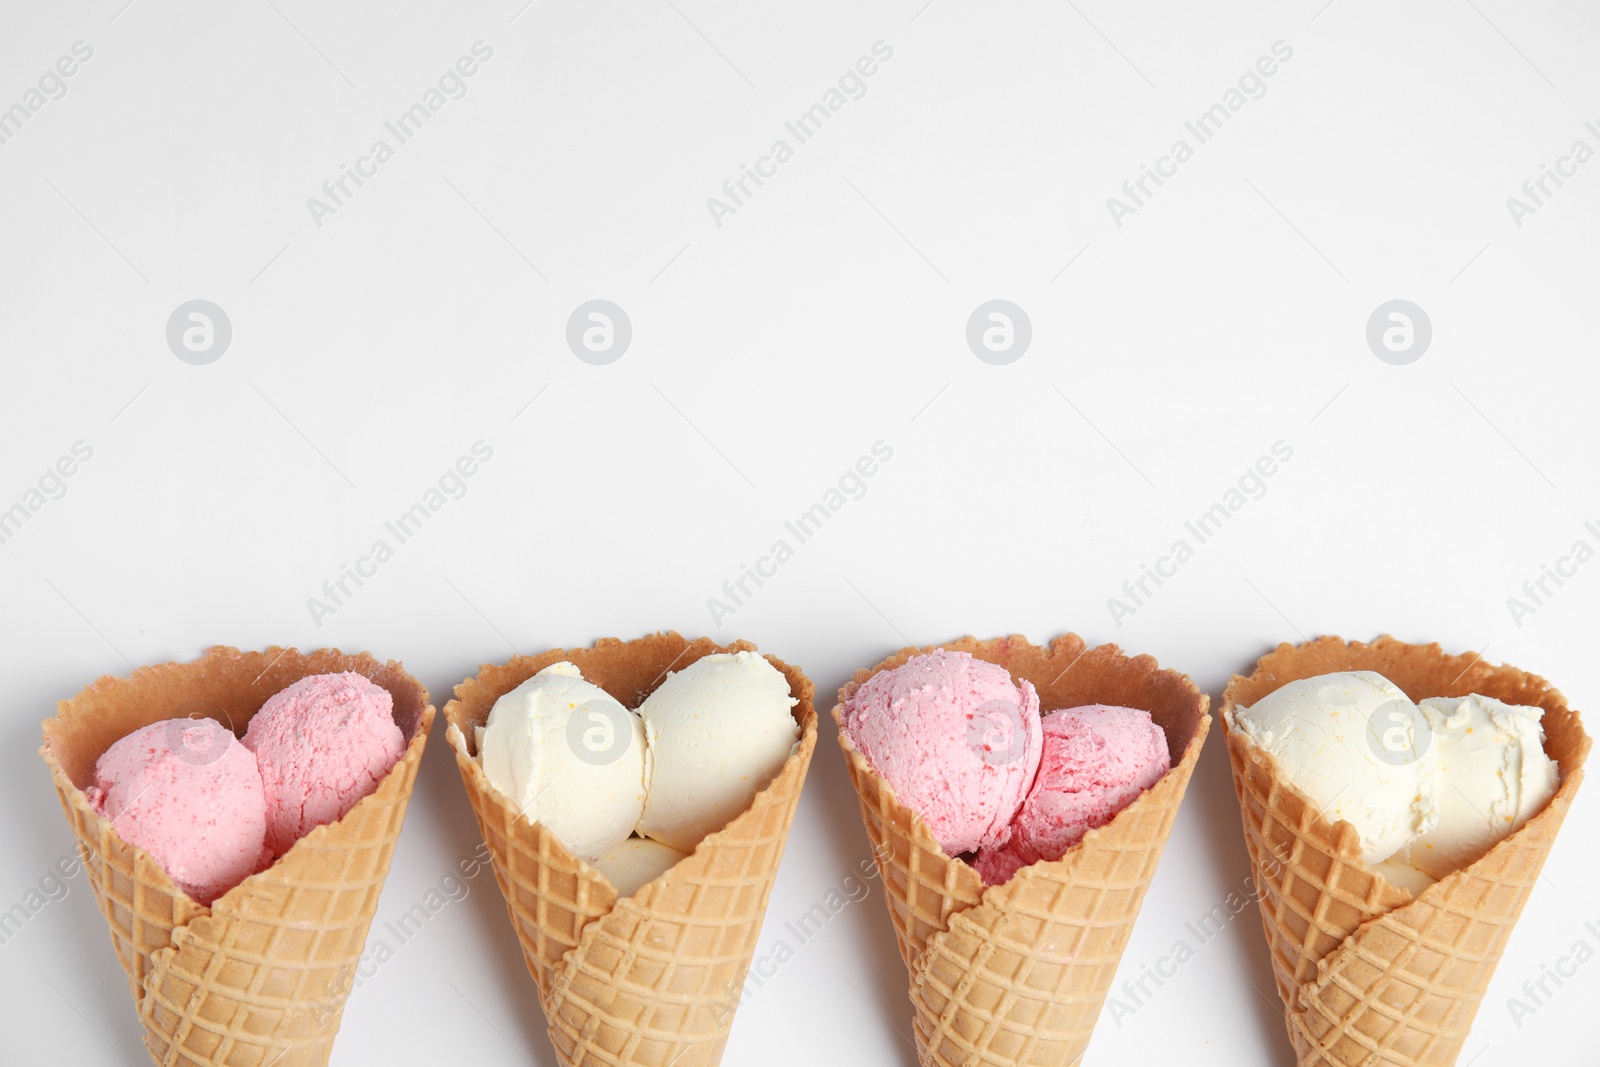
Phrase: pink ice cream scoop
(955, 738)
(1097, 760)
(187, 792)
(322, 744)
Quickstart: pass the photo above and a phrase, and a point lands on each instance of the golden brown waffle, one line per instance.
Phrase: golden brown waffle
(1016, 974)
(1370, 976)
(652, 979)
(261, 976)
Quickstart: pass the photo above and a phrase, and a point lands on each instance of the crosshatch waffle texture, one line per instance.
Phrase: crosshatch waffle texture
(259, 979)
(1016, 974)
(1370, 976)
(650, 980)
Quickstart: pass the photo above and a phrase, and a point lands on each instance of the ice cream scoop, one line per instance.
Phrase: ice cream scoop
(322, 743)
(719, 730)
(635, 862)
(1349, 741)
(957, 740)
(187, 792)
(1096, 761)
(569, 757)
(1398, 870)
(1493, 777)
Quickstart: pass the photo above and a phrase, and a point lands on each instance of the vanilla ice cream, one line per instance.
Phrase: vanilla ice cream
(1430, 788)
(1399, 872)
(719, 730)
(570, 757)
(1328, 734)
(635, 862)
(1494, 777)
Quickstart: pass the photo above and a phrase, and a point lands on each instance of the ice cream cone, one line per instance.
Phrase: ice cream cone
(260, 977)
(1016, 974)
(652, 979)
(1369, 975)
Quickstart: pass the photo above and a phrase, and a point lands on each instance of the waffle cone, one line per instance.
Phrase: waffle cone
(653, 979)
(1368, 974)
(260, 977)
(1016, 974)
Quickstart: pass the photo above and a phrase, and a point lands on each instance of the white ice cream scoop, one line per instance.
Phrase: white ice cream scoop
(1493, 776)
(635, 862)
(719, 730)
(570, 757)
(1357, 746)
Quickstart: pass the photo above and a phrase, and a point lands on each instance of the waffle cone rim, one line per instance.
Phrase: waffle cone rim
(296, 855)
(1571, 771)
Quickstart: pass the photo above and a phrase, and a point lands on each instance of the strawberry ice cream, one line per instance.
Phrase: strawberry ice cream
(187, 792)
(956, 739)
(1096, 761)
(322, 744)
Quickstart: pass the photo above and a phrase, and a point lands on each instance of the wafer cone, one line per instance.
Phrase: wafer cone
(649, 980)
(1016, 974)
(260, 977)
(1369, 975)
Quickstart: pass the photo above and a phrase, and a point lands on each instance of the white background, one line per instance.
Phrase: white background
(768, 354)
